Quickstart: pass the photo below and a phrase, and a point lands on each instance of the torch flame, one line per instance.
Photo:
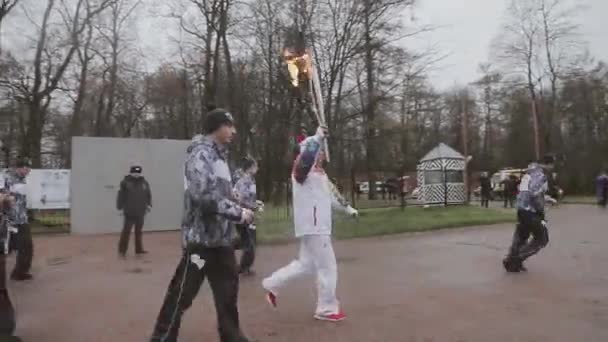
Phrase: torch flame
(299, 66)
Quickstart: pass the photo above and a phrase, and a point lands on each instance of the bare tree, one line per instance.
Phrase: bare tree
(376, 20)
(520, 46)
(85, 57)
(50, 64)
(120, 12)
(337, 47)
(489, 86)
(5, 7)
(561, 44)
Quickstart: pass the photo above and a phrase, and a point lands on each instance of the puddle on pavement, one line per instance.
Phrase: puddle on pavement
(137, 270)
(58, 261)
(346, 259)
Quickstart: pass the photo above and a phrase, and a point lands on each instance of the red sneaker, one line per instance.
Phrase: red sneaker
(340, 316)
(271, 298)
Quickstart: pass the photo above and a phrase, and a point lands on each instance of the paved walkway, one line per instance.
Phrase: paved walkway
(441, 286)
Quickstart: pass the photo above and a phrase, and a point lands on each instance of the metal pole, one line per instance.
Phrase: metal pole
(465, 145)
(445, 184)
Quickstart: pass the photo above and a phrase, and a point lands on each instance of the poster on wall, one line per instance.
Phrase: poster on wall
(48, 189)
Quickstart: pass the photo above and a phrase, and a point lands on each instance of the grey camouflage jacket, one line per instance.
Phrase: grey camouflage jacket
(532, 190)
(209, 205)
(245, 190)
(15, 185)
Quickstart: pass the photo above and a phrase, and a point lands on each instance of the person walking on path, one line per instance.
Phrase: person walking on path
(531, 219)
(245, 192)
(22, 242)
(601, 184)
(210, 212)
(134, 200)
(486, 190)
(313, 198)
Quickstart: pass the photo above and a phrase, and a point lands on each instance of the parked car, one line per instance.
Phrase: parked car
(497, 180)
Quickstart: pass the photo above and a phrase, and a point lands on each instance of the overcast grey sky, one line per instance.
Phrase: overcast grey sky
(465, 31)
(468, 27)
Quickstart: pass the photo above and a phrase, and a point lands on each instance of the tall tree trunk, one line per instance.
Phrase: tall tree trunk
(185, 117)
(371, 105)
(227, 56)
(270, 50)
(341, 128)
(208, 82)
(99, 119)
(107, 119)
(34, 132)
(465, 143)
(533, 97)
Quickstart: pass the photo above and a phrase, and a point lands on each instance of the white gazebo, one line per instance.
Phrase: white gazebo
(441, 177)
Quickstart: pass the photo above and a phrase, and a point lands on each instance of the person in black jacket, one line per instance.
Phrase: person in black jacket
(510, 191)
(134, 200)
(486, 190)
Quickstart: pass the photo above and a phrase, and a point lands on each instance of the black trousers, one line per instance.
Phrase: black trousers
(485, 200)
(220, 269)
(509, 201)
(129, 223)
(247, 244)
(23, 245)
(7, 311)
(529, 223)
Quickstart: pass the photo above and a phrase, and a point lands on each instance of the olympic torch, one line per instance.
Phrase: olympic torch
(305, 79)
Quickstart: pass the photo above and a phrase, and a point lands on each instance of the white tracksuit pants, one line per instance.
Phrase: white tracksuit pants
(317, 257)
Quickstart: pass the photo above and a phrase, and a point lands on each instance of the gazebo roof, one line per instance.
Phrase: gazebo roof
(442, 151)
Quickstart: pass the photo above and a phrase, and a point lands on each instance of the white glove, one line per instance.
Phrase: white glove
(352, 211)
(550, 199)
(246, 216)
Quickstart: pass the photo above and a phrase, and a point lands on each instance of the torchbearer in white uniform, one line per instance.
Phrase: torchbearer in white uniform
(313, 198)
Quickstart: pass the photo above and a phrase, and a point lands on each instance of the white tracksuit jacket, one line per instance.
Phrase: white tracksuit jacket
(312, 204)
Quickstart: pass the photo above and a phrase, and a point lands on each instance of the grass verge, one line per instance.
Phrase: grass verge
(579, 200)
(276, 226)
(374, 222)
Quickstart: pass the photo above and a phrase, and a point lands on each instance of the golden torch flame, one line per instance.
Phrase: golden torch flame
(299, 66)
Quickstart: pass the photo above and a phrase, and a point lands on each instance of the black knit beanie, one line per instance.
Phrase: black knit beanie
(216, 119)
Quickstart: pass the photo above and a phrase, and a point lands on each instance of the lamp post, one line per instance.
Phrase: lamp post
(467, 185)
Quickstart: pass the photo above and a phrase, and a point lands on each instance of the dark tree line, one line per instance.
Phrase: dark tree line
(83, 75)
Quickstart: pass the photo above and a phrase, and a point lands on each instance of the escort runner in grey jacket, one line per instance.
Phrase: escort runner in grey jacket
(207, 235)
(209, 205)
(532, 190)
(530, 219)
(246, 190)
(15, 184)
(22, 242)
